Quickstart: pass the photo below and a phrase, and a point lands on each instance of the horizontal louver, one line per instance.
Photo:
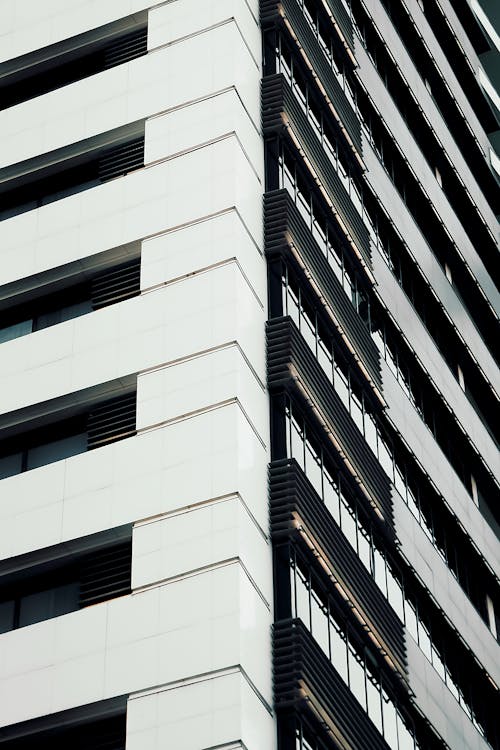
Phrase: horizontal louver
(304, 679)
(277, 98)
(126, 48)
(292, 367)
(275, 12)
(116, 284)
(342, 20)
(121, 159)
(294, 503)
(105, 574)
(286, 229)
(111, 421)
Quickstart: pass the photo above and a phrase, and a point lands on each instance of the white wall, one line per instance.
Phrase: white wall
(191, 644)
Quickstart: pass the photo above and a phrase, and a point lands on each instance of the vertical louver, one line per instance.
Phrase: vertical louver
(121, 159)
(111, 421)
(105, 574)
(126, 48)
(116, 284)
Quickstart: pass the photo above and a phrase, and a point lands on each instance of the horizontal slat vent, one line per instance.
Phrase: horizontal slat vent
(277, 97)
(105, 574)
(293, 501)
(305, 680)
(284, 228)
(116, 284)
(273, 13)
(292, 367)
(122, 159)
(342, 20)
(126, 48)
(112, 421)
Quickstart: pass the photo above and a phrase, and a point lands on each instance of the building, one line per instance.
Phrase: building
(248, 375)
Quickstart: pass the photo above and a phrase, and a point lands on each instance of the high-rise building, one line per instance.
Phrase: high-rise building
(249, 342)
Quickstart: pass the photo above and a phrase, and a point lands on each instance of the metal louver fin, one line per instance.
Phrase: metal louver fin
(126, 48)
(105, 574)
(122, 159)
(116, 284)
(112, 421)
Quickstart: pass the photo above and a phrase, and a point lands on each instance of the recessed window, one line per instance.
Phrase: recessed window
(72, 59)
(93, 426)
(64, 582)
(64, 172)
(100, 289)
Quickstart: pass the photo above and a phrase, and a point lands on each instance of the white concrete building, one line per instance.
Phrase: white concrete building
(144, 157)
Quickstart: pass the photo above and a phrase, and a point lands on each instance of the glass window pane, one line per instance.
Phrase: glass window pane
(385, 458)
(319, 624)
(313, 470)
(297, 444)
(374, 701)
(338, 649)
(10, 465)
(341, 384)
(399, 480)
(325, 359)
(7, 616)
(303, 600)
(16, 330)
(390, 721)
(405, 737)
(335, 260)
(36, 607)
(395, 593)
(437, 661)
(424, 639)
(356, 408)
(371, 432)
(364, 548)
(411, 619)
(348, 522)
(56, 450)
(308, 331)
(357, 676)
(380, 578)
(331, 496)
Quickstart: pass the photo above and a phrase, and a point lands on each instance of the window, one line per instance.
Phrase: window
(41, 310)
(64, 582)
(80, 56)
(101, 423)
(99, 725)
(64, 172)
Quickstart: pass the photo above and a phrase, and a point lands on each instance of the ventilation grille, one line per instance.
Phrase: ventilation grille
(116, 284)
(122, 159)
(126, 48)
(105, 575)
(111, 421)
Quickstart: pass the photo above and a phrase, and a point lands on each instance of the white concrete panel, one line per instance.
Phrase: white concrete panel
(196, 314)
(146, 202)
(200, 537)
(205, 243)
(198, 382)
(131, 92)
(210, 713)
(201, 122)
(176, 20)
(193, 626)
(211, 455)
